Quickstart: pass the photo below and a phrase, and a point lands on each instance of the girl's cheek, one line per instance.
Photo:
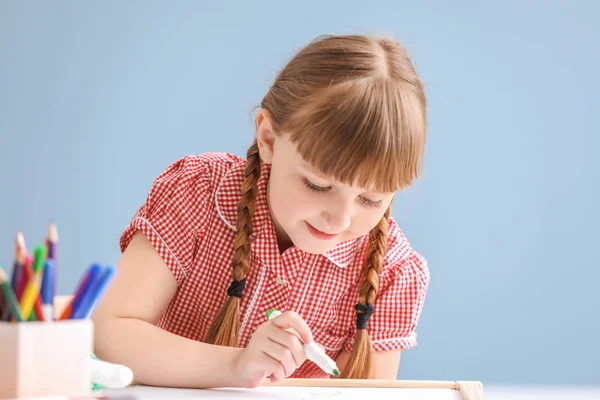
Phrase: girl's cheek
(301, 206)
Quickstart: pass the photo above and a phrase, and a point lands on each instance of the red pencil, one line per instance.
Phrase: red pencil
(23, 282)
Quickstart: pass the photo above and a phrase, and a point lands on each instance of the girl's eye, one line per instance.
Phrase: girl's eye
(370, 203)
(324, 189)
(316, 188)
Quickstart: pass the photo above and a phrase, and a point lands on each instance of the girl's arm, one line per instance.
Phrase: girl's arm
(126, 333)
(384, 364)
(125, 330)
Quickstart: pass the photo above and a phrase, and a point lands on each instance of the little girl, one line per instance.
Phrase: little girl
(302, 225)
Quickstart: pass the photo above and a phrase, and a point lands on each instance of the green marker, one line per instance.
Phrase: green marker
(313, 351)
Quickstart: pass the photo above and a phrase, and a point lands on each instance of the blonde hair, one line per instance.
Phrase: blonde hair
(356, 110)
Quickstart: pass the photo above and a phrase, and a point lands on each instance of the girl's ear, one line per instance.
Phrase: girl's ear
(265, 136)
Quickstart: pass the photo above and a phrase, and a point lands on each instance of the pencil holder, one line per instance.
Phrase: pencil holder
(41, 359)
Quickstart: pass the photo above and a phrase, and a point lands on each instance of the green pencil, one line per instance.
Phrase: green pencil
(39, 257)
(10, 297)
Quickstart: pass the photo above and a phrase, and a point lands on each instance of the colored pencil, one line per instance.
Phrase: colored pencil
(109, 274)
(52, 243)
(39, 257)
(4, 308)
(28, 294)
(30, 299)
(17, 272)
(29, 276)
(20, 253)
(9, 296)
(95, 290)
(32, 291)
(52, 240)
(47, 290)
(23, 282)
(68, 310)
(81, 288)
(20, 281)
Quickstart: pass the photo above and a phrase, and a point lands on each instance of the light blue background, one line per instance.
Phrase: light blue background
(98, 97)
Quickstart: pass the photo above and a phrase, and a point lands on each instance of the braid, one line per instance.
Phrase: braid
(359, 365)
(225, 328)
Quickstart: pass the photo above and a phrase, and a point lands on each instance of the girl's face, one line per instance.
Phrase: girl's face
(312, 211)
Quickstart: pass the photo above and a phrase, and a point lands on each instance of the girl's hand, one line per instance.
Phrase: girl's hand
(274, 351)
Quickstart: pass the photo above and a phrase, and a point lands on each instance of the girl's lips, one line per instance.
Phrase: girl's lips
(318, 234)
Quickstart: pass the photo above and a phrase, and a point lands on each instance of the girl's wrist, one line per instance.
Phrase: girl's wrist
(216, 366)
(230, 374)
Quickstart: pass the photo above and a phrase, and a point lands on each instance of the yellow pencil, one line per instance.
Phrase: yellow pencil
(32, 291)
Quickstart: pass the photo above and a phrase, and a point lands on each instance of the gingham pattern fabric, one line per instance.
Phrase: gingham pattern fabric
(190, 216)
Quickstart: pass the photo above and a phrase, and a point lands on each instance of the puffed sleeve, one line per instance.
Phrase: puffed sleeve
(174, 213)
(402, 288)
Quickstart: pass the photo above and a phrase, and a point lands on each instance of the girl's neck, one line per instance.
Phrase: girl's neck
(283, 240)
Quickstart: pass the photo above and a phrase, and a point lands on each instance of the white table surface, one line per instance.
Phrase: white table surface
(541, 392)
(490, 393)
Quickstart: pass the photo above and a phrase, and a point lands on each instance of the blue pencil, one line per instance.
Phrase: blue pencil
(47, 290)
(96, 290)
(92, 274)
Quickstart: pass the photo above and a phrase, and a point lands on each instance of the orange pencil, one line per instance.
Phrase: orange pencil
(66, 312)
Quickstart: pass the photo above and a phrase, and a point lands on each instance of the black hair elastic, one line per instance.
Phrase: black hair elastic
(237, 288)
(363, 315)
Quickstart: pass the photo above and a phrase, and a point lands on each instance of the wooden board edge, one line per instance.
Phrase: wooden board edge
(369, 383)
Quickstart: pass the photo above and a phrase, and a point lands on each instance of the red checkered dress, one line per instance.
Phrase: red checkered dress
(190, 217)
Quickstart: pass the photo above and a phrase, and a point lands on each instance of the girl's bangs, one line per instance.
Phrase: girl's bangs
(365, 133)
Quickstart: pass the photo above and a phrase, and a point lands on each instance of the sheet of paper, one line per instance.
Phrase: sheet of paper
(287, 393)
